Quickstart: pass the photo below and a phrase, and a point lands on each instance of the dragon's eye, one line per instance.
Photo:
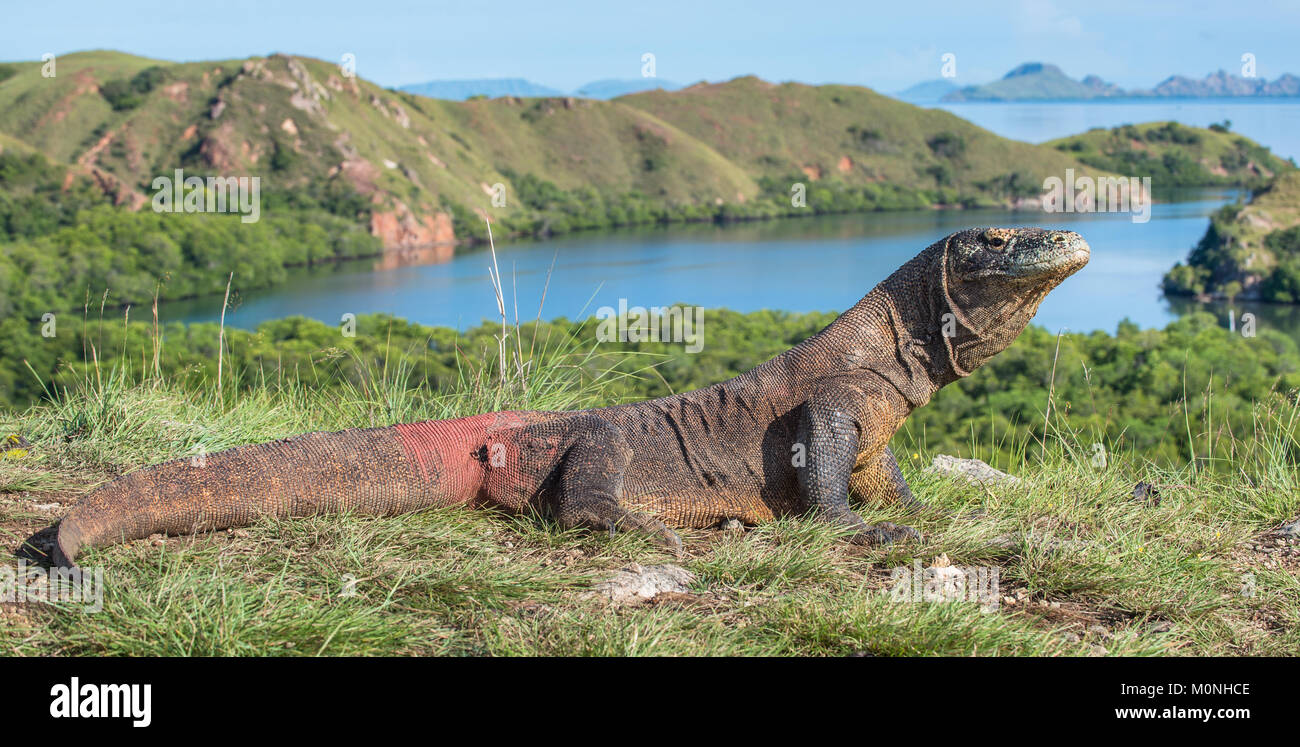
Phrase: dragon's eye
(995, 241)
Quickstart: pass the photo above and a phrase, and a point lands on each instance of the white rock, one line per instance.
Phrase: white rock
(640, 583)
(974, 471)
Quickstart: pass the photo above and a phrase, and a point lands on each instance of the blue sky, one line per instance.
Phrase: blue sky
(886, 46)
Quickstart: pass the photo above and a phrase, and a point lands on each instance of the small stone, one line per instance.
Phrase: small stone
(1098, 630)
(1290, 529)
(1098, 651)
(732, 525)
(1071, 637)
(638, 584)
(1009, 601)
(1056, 605)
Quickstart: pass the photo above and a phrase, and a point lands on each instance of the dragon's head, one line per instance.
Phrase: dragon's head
(993, 280)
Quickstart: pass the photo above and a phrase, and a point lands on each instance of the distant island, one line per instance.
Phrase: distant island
(1038, 81)
(495, 88)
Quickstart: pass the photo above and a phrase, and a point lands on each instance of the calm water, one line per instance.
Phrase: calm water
(814, 264)
(1274, 123)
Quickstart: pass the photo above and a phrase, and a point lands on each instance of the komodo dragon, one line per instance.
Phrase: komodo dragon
(799, 433)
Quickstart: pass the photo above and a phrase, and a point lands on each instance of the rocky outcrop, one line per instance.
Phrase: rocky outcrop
(400, 228)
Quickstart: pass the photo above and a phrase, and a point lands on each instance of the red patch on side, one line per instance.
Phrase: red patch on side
(442, 450)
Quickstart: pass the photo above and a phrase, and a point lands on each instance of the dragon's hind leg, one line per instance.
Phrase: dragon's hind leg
(590, 485)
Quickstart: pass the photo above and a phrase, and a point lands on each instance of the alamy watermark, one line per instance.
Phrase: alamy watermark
(1107, 194)
(215, 194)
(949, 68)
(682, 324)
(92, 700)
(29, 583)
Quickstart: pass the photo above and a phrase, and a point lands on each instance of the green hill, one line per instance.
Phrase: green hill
(423, 167)
(853, 135)
(1250, 251)
(302, 125)
(1175, 155)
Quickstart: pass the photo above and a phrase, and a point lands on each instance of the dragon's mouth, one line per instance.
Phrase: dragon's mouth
(1066, 261)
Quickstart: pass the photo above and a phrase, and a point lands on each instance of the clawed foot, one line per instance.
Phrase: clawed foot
(862, 533)
(658, 532)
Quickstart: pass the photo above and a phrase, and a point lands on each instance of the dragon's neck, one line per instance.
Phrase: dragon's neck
(892, 333)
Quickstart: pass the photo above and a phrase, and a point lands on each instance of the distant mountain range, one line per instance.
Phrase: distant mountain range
(493, 88)
(927, 92)
(1040, 81)
(460, 90)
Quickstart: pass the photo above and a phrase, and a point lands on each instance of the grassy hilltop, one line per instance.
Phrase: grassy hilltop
(854, 135)
(1085, 565)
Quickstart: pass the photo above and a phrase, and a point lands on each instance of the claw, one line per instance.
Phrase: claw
(669, 540)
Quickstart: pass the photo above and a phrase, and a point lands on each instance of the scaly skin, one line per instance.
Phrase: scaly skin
(799, 433)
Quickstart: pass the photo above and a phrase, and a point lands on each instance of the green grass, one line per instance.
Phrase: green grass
(1090, 568)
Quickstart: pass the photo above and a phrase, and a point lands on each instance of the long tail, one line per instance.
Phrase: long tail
(372, 471)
